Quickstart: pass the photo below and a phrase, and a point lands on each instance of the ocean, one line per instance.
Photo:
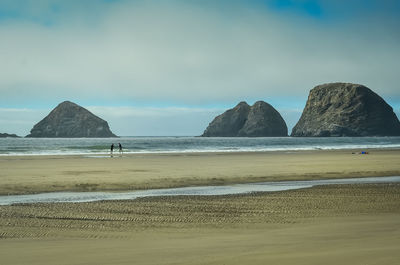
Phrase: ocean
(132, 145)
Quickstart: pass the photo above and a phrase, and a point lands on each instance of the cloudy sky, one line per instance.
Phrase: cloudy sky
(168, 67)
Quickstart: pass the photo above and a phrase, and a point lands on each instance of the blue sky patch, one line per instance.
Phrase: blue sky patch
(308, 8)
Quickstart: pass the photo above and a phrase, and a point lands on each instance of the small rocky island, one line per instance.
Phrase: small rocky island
(345, 109)
(7, 135)
(259, 120)
(70, 120)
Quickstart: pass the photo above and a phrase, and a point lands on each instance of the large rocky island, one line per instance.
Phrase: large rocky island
(259, 120)
(71, 120)
(345, 109)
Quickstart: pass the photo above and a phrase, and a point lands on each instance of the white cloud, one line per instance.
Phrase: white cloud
(191, 54)
(150, 121)
(19, 121)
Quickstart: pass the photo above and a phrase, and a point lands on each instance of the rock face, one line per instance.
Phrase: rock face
(6, 135)
(71, 120)
(259, 120)
(229, 123)
(344, 109)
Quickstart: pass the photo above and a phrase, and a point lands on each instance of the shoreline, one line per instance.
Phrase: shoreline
(38, 174)
(181, 152)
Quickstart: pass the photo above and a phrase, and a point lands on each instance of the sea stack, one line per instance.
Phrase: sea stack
(70, 120)
(7, 135)
(259, 120)
(345, 109)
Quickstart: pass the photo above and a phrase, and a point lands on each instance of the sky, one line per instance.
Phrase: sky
(159, 68)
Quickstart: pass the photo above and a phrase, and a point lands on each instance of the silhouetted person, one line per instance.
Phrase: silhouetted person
(112, 148)
(120, 148)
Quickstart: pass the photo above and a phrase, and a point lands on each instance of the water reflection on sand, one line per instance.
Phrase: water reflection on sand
(75, 197)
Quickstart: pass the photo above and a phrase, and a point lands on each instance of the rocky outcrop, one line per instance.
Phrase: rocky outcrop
(71, 120)
(229, 123)
(259, 120)
(6, 135)
(344, 109)
(263, 120)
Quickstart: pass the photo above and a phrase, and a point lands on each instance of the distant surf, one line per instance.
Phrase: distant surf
(138, 145)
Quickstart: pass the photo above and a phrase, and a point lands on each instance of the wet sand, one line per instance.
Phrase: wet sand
(338, 224)
(344, 224)
(34, 174)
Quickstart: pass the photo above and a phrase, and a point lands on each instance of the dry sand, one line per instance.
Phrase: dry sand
(33, 174)
(343, 224)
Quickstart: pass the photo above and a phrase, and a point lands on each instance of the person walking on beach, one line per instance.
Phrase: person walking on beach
(112, 148)
(120, 148)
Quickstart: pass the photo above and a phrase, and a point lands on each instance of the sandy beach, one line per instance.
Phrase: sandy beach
(350, 224)
(34, 174)
(338, 224)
